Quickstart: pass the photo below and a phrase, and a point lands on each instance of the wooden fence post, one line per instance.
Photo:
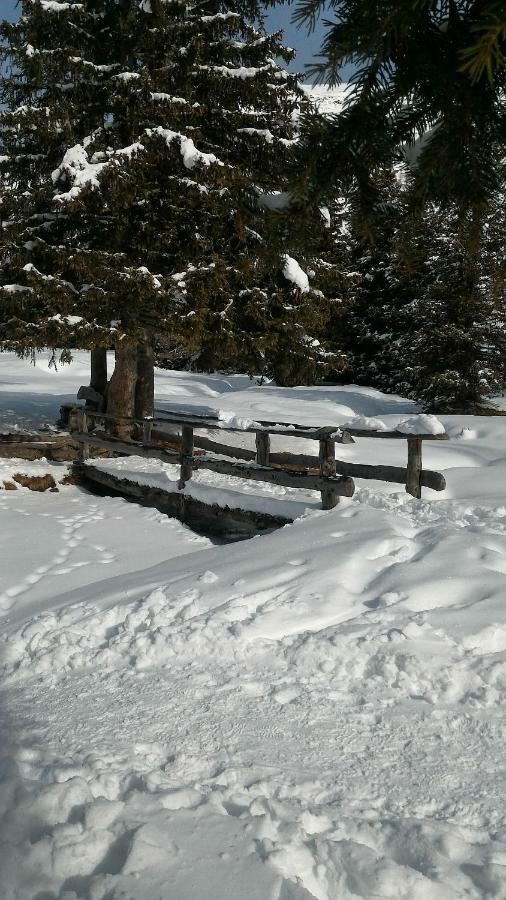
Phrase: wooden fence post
(82, 428)
(414, 470)
(263, 445)
(330, 498)
(147, 428)
(186, 455)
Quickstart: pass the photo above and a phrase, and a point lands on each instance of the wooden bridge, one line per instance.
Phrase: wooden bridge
(174, 438)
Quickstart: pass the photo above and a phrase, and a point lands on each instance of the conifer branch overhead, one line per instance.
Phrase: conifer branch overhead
(429, 85)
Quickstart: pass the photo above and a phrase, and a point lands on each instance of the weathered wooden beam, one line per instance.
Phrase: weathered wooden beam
(395, 474)
(395, 435)
(327, 460)
(263, 445)
(343, 486)
(130, 448)
(186, 455)
(309, 432)
(299, 431)
(414, 471)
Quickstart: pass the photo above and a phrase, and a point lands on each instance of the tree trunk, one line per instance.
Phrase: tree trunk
(121, 391)
(98, 380)
(145, 387)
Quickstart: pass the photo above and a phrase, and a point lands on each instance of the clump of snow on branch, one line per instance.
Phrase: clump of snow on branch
(293, 272)
(191, 155)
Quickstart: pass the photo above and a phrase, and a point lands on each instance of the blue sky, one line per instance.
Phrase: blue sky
(307, 46)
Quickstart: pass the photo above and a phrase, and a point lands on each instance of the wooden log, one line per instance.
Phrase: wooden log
(309, 433)
(313, 433)
(263, 445)
(61, 449)
(343, 486)
(186, 455)
(205, 443)
(395, 474)
(327, 460)
(395, 435)
(414, 471)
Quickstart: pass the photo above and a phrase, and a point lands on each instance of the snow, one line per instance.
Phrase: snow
(191, 155)
(277, 200)
(313, 713)
(15, 288)
(245, 72)
(421, 424)
(265, 133)
(67, 320)
(366, 423)
(293, 272)
(128, 76)
(54, 6)
(83, 172)
(329, 101)
(76, 166)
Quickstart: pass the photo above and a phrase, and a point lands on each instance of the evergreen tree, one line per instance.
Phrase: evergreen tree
(424, 317)
(145, 151)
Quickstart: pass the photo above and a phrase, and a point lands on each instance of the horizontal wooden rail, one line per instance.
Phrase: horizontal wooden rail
(309, 432)
(396, 435)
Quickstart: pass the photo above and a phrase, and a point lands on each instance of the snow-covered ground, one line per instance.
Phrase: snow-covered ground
(315, 713)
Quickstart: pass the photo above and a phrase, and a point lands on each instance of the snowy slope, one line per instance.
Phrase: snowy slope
(316, 713)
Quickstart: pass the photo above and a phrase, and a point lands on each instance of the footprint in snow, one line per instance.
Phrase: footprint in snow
(208, 577)
(286, 695)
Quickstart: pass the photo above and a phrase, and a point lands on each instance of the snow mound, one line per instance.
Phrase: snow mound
(421, 424)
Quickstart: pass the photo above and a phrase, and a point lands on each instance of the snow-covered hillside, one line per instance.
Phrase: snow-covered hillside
(315, 713)
(329, 101)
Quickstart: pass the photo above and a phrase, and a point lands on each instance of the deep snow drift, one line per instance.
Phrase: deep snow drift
(316, 713)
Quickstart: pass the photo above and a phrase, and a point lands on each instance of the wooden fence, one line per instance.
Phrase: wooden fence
(332, 477)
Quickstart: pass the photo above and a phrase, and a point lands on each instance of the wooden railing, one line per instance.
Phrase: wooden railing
(330, 485)
(333, 478)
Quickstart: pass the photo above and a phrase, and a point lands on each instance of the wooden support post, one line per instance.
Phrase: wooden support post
(263, 445)
(186, 455)
(414, 470)
(147, 428)
(327, 457)
(82, 428)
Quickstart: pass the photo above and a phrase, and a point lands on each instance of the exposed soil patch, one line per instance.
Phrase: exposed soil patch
(39, 483)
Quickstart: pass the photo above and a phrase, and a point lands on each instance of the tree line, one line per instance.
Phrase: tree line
(170, 190)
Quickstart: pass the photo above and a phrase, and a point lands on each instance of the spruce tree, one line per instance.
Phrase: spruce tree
(145, 149)
(424, 317)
